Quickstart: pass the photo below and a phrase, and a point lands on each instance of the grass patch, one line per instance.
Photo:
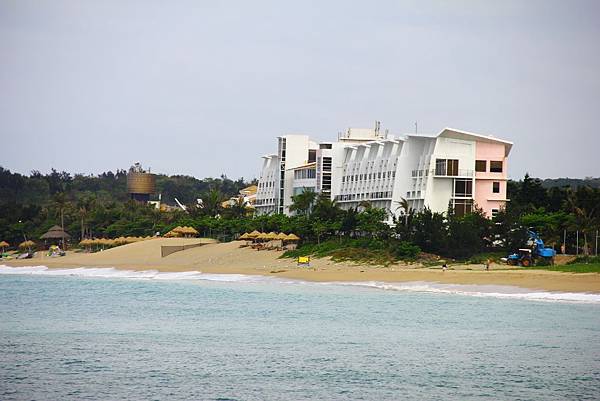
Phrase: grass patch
(481, 258)
(571, 268)
(585, 259)
(366, 251)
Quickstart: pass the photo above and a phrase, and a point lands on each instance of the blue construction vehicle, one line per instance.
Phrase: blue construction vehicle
(536, 251)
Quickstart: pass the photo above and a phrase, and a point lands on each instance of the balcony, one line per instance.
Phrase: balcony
(442, 173)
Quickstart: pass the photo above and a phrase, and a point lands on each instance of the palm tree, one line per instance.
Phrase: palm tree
(212, 202)
(584, 208)
(405, 206)
(61, 202)
(303, 202)
(84, 206)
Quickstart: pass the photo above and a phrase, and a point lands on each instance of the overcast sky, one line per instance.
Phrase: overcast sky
(204, 87)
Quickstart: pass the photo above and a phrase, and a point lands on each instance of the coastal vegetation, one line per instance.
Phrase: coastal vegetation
(98, 207)
(582, 264)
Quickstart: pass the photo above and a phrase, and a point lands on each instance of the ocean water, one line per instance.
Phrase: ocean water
(104, 334)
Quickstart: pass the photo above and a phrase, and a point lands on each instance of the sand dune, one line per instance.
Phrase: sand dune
(231, 258)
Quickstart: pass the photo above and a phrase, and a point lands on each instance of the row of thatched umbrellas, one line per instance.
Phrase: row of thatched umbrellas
(85, 242)
(257, 235)
(112, 242)
(23, 245)
(180, 231)
(176, 232)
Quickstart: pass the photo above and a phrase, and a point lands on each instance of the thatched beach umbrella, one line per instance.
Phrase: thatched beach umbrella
(254, 234)
(56, 232)
(3, 245)
(105, 242)
(281, 236)
(292, 237)
(86, 243)
(27, 245)
(190, 231)
(244, 236)
(271, 235)
(174, 233)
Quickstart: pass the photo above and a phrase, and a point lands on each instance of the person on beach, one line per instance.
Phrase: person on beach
(487, 264)
(444, 267)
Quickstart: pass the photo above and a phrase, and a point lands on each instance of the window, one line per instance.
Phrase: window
(304, 174)
(452, 167)
(446, 167)
(463, 206)
(312, 155)
(325, 146)
(481, 166)
(495, 167)
(440, 167)
(496, 187)
(463, 188)
(495, 213)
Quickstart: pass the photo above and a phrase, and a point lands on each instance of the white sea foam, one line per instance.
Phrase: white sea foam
(111, 272)
(494, 291)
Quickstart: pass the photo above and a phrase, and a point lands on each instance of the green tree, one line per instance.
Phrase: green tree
(371, 222)
(429, 231)
(405, 209)
(212, 203)
(585, 205)
(61, 202)
(84, 206)
(468, 234)
(303, 202)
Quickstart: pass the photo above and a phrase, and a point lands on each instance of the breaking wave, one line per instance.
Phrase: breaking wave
(492, 291)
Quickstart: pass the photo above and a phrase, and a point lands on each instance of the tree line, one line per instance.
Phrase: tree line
(97, 206)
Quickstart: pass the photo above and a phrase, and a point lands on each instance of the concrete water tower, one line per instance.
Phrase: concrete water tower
(140, 183)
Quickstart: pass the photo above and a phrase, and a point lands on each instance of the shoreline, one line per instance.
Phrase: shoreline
(229, 258)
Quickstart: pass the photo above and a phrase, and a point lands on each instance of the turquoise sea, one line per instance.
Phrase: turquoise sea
(103, 334)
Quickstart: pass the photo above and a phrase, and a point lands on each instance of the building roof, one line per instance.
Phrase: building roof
(456, 133)
(251, 190)
(461, 134)
(307, 165)
(421, 135)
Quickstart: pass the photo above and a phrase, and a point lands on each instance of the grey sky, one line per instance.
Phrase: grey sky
(203, 88)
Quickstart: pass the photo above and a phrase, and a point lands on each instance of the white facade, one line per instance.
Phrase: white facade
(267, 195)
(434, 171)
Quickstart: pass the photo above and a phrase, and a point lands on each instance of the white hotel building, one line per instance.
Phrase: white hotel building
(453, 167)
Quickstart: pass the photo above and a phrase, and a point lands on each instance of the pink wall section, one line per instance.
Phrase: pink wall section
(484, 196)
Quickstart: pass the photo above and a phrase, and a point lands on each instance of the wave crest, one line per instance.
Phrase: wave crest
(493, 291)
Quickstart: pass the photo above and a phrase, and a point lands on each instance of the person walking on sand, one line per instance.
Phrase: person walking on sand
(444, 267)
(487, 264)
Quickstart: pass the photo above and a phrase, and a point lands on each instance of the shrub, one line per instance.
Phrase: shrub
(405, 250)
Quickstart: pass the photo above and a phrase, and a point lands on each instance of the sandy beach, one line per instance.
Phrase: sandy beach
(230, 258)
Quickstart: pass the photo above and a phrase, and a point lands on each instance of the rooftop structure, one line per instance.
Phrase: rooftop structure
(246, 197)
(140, 183)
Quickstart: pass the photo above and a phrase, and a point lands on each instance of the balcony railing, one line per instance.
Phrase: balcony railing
(442, 173)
